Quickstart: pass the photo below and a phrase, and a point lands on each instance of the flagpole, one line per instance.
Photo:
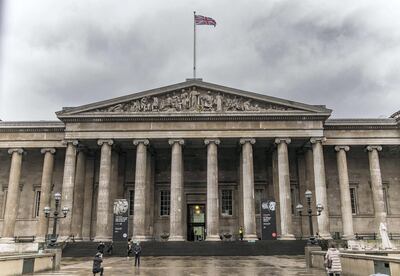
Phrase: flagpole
(194, 44)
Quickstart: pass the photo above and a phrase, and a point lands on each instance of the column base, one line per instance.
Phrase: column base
(102, 239)
(250, 237)
(176, 238)
(348, 237)
(140, 238)
(287, 237)
(7, 240)
(213, 238)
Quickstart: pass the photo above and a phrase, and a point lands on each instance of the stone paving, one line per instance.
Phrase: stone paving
(192, 266)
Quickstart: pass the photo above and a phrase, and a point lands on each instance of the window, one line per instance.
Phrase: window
(353, 200)
(165, 203)
(131, 201)
(385, 200)
(257, 200)
(36, 208)
(226, 206)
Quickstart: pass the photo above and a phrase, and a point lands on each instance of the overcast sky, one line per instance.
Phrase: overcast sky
(343, 54)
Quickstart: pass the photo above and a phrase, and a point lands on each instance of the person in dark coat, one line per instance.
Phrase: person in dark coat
(129, 249)
(110, 248)
(100, 248)
(137, 250)
(97, 268)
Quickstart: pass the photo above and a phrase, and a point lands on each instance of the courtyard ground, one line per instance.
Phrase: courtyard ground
(191, 266)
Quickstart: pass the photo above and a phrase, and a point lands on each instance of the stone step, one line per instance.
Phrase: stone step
(236, 248)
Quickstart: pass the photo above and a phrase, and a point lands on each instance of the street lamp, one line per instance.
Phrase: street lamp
(55, 217)
(320, 208)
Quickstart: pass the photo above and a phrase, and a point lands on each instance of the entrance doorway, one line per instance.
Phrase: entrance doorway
(196, 222)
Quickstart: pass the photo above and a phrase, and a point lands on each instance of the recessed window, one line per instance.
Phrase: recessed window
(226, 200)
(257, 200)
(131, 201)
(37, 204)
(353, 200)
(165, 202)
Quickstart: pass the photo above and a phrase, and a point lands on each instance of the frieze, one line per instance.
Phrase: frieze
(193, 100)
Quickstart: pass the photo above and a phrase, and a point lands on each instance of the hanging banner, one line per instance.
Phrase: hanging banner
(268, 220)
(121, 220)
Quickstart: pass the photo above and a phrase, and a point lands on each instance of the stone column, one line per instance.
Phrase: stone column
(176, 211)
(77, 207)
(12, 204)
(376, 185)
(248, 189)
(320, 186)
(67, 191)
(45, 193)
(212, 190)
(88, 199)
(284, 189)
(103, 222)
(345, 200)
(139, 220)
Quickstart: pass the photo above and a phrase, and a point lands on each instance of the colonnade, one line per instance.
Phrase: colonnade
(77, 190)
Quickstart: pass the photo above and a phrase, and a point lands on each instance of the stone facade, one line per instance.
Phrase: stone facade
(197, 143)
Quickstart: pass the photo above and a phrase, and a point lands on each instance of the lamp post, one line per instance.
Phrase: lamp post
(320, 208)
(55, 217)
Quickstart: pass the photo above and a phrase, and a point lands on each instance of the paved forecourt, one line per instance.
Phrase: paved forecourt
(181, 266)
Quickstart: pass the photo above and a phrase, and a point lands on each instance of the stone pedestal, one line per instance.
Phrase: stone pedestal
(212, 190)
(67, 191)
(176, 211)
(103, 223)
(376, 186)
(45, 193)
(11, 210)
(345, 200)
(248, 189)
(284, 189)
(139, 216)
(320, 187)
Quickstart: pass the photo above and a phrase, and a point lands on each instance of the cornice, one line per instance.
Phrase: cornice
(384, 123)
(32, 126)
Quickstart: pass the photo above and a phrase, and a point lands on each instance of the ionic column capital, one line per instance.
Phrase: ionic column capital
(50, 150)
(17, 150)
(372, 148)
(173, 141)
(100, 142)
(339, 148)
(283, 140)
(243, 141)
(141, 141)
(314, 140)
(212, 140)
(73, 142)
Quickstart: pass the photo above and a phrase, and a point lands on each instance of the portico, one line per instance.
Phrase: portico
(197, 143)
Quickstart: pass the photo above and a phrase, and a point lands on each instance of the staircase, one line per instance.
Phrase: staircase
(204, 248)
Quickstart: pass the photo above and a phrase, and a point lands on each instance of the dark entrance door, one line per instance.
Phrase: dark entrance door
(196, 222)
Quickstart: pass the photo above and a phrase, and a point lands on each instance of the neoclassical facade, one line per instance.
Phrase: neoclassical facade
(194, 160)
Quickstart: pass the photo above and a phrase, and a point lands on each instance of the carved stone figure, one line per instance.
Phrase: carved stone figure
(193, 101)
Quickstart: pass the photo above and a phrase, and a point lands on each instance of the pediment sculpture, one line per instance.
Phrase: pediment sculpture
(193, 100)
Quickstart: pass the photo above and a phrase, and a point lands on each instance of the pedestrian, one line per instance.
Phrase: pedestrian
(241, 233)
(110, 248)
(137, 250)
(100, 248)
(129, 249)
(97, 268)
(332, 261)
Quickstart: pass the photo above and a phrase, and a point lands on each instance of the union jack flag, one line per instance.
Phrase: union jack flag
(203, 20)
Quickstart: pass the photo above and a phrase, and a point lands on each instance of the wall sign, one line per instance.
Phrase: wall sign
(121, 220)
(268, 220)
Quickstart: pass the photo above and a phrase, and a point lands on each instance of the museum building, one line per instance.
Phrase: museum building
(194, 160)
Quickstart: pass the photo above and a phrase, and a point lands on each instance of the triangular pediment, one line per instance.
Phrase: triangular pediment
(193, 97)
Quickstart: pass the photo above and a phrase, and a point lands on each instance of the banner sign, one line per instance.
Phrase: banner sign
(268, 220)
(121, 220)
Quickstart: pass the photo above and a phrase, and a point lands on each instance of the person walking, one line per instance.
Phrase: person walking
(332, 261)
(100, 248)
(110, 248)
(97, 268)
(241, 233)
(129, 249)
(137, 250)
